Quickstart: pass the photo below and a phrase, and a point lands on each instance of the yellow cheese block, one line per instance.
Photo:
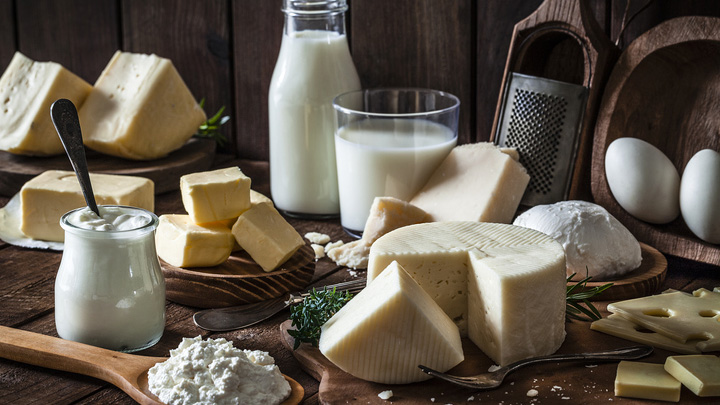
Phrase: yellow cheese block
(647, 381)
(267, 237)
(699, 373)
(388, 329)
(140, 109)
(182, 243)
(27, 90)
(215, 195)
(45, 198)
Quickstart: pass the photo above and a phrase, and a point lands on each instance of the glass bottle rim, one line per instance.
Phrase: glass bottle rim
(111, 234)
(314, 7)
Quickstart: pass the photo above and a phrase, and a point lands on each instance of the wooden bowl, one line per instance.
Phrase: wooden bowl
(237, 281)
(664, 89)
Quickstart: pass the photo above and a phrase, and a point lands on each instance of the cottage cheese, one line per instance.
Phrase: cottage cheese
(214, 372)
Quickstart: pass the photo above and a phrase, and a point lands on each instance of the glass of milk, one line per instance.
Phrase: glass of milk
(388, 142)
(109, 290)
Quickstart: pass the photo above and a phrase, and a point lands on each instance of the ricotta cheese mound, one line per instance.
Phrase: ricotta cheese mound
(590, 236)
(214, 372)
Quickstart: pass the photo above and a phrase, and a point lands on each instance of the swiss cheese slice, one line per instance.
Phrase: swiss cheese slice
(183, 243)
(647, 381)
(503, 285)
(699, 373)
(618, 326)
(215, 195)
(390, 328)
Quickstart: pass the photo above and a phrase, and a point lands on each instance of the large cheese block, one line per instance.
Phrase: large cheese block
(503, 285)
(140, 108)
(27, 90)
(215, 195)
(183, 243)
(390, 328)
(46, 197)
(475, 182)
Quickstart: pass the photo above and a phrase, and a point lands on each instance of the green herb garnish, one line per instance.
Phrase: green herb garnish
(308, 316)
(211, 128)
(574, 308)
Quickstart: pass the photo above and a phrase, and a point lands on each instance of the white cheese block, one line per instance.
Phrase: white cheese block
(475, 182)
(140, 109)
(215, 195)
(27, 90)
(390, 328)
(636, 379)
(182, 243)
(699, 373)
(515, 273)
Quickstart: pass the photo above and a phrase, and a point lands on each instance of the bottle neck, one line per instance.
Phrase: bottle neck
(331, 22)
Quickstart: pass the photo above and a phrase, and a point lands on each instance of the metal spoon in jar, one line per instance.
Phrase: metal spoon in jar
(65, 119)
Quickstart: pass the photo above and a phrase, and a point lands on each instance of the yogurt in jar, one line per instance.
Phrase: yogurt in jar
(109, 291)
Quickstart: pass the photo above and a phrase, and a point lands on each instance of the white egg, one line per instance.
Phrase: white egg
(643, 180)
(700, 195)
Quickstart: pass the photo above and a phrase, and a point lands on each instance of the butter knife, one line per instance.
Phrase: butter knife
(241, 316)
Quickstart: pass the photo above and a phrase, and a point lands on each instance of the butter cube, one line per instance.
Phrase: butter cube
(699, 373)
(140, 109)
(27, 89)
(646, 381)
(266, 236)
(182, 243)
(46, 197)
(215, 195)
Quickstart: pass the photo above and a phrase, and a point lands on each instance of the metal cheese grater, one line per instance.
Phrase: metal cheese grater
(542, 119)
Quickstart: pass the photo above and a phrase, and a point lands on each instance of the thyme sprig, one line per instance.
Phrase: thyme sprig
(211, 128)
(308, 316)
(578, 305)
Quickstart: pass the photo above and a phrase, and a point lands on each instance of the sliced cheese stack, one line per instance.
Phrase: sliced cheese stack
(45, 198)
(503, 285)
(140, 108)
(388, 329)
(182, 243)
(27, 89)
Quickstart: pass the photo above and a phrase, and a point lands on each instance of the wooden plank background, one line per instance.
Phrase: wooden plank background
(226, 49)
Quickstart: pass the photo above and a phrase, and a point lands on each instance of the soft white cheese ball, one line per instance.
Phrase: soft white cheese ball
(591, 238)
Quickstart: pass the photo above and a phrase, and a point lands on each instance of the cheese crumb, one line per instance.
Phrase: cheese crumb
(494, 368)
(386, 394)
(319, 251)
(333, 245)
(317, 238)
(532, 393)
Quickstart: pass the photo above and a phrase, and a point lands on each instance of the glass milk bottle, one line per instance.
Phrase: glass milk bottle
(314, 66)
(109, 290)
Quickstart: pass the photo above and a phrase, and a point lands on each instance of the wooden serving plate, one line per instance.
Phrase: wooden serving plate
(195, 156)
(237, 281)
(664, 89)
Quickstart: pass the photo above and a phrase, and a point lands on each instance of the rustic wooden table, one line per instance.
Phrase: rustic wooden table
(26, 301)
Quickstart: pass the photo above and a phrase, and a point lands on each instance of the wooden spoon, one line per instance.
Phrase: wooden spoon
(125, 371)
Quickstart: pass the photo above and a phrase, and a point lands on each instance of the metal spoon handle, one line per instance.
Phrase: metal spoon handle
(65, 119)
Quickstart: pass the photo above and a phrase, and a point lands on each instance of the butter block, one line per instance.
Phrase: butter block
(699, 373)
(183, 243)
(618, 326)
(475, 182)
(388, 329)
(636, 379)
(215, 195)
(27, 90)
(267, 237)
(139, 108)
(46, 197)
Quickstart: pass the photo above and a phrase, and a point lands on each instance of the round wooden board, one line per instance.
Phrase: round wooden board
(297, 393)
(645, 280)
(237, 281)
(195, 156)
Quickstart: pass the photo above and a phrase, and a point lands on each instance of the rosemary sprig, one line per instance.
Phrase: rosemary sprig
(574, 308)
(308, 316)
(211, 128)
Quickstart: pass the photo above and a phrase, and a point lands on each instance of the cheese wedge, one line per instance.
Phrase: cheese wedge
(503, 285)
(636, 379)
(140, 109)
(699, 373)
(182, 243)
(46, 197)
(27, 90)
(215, 195)
(475, 182)
(388, 329)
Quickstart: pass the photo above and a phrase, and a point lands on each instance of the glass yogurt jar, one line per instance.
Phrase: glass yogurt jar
(109, 290)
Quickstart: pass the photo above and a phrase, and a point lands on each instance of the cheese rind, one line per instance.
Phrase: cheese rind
(388, 329)
(139, 108)
(699, 373)
(636, 379)
(215, 195)
(46, 197)
(27, 90)
(183, 243)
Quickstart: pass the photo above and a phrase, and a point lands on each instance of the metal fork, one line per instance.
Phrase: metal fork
(493, 379)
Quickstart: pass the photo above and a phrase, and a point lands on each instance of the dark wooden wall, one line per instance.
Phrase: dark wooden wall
(226, 49)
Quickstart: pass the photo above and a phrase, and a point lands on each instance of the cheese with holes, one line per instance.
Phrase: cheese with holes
(618, 326)
(699, 373)
(475, 182)
(46, 197)
(139, 108)
(636, 379)
(267, 237)
(183, 243)
(388, 329)
(215, 195)
(27, 90)
(503, 285)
